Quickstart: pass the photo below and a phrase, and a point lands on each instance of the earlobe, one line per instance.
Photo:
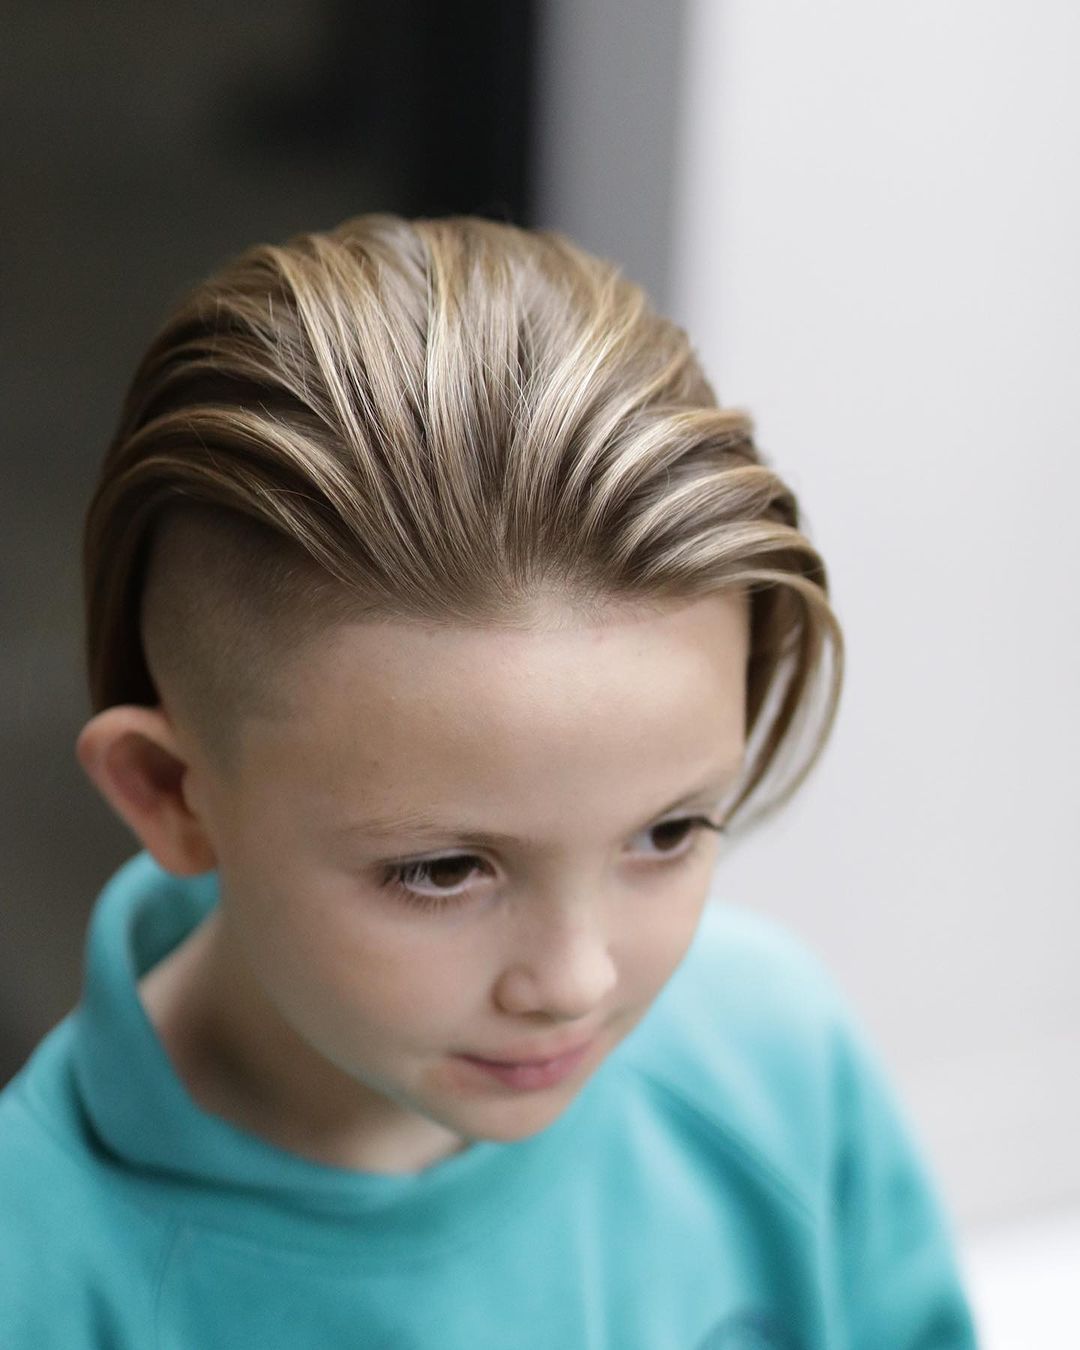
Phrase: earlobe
(133, 758)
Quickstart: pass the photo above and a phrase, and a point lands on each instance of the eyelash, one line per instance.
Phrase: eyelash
(395, 873)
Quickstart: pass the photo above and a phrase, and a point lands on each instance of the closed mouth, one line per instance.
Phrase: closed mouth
(534, 1059)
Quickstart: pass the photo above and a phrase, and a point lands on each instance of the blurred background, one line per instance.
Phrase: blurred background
(866, 217)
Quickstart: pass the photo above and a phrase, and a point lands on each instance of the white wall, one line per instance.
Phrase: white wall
(877, 252)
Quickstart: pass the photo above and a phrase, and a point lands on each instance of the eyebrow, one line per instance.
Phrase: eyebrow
(420, 825)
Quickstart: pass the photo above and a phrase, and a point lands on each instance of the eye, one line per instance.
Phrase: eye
(449, 873)
(671, 834)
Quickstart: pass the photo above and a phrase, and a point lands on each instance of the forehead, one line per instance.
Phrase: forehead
(394, 704)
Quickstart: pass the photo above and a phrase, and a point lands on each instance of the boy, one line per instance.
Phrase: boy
(439, 624)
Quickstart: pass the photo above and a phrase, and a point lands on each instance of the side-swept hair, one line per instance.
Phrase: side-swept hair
(436, 419)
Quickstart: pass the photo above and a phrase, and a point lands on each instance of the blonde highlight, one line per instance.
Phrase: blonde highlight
(435, 419)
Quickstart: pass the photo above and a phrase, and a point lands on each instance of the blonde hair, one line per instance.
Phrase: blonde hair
(432, 419)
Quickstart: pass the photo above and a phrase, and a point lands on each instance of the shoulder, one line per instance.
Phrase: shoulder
(747, 1036)
(73, 1244)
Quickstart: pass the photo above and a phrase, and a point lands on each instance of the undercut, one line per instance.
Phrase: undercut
(228, 608)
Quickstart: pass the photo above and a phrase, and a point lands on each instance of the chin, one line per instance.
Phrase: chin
(521, 1120)
(510, 1134)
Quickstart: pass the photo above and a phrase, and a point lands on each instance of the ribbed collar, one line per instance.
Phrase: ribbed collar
(213, 1171)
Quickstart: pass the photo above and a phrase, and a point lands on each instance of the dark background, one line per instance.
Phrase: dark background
(143, 146)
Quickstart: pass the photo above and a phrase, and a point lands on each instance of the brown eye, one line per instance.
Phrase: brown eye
(672, 833)
(669, 835)
(446, 873)
(443, 873)
(439, 873)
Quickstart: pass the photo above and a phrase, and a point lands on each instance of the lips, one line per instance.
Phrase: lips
(533, 1077)
(531, 1057)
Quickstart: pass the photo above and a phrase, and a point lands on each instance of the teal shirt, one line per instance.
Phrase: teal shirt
(735, 1176)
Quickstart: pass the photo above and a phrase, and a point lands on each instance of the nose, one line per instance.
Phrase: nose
(562, 966)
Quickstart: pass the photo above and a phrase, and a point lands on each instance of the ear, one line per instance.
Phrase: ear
(133, 757)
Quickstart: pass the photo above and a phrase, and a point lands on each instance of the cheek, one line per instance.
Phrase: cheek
(335, 966)
(662, 936)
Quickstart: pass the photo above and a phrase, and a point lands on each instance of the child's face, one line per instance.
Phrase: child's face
(572, 744)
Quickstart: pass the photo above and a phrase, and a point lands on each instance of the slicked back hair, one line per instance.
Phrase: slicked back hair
(435, 419)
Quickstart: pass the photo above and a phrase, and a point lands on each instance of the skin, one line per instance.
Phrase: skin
(319, 1010)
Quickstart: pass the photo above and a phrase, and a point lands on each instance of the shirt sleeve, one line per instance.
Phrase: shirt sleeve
(897, 1281)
